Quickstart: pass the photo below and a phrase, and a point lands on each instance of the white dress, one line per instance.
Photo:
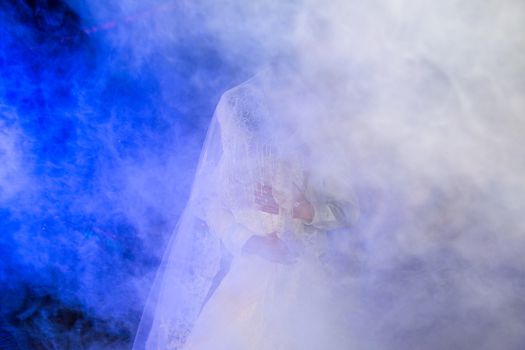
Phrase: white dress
(262, 304)
(258, 304)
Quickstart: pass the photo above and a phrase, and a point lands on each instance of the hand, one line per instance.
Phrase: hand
(302, 208)
(269, 247)
(265, 200)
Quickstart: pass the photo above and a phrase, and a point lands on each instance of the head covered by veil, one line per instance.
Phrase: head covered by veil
(238, 153)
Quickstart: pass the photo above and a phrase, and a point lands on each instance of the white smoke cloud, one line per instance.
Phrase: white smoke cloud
(417, 105)
(425, 104)
(420, 106)
(15, 168)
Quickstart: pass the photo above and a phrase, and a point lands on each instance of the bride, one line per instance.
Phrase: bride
(244, 269)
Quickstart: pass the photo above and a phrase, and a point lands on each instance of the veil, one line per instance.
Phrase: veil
(252, 140)
(192, 261)
(198, 253)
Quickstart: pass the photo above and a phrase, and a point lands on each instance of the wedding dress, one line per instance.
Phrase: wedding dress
(209, 295)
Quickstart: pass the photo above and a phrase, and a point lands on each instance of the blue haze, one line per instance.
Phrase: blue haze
(104, 106)
(98, 144)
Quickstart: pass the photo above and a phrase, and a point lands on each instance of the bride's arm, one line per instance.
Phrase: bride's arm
(232, 234)
(330, 215)
(238, 239)
(325, 212)
(312, 207)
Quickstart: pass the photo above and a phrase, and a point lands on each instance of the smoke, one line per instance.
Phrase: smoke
(415, 108)
(14, 168)
(421, 112)
(102, 113)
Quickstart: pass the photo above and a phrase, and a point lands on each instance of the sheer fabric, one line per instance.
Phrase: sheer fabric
(192, 304)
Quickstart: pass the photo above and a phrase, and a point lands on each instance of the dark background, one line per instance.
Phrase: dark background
(101, 123)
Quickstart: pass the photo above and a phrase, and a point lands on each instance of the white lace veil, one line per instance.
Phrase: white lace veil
(236, 150)
(191, 263)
